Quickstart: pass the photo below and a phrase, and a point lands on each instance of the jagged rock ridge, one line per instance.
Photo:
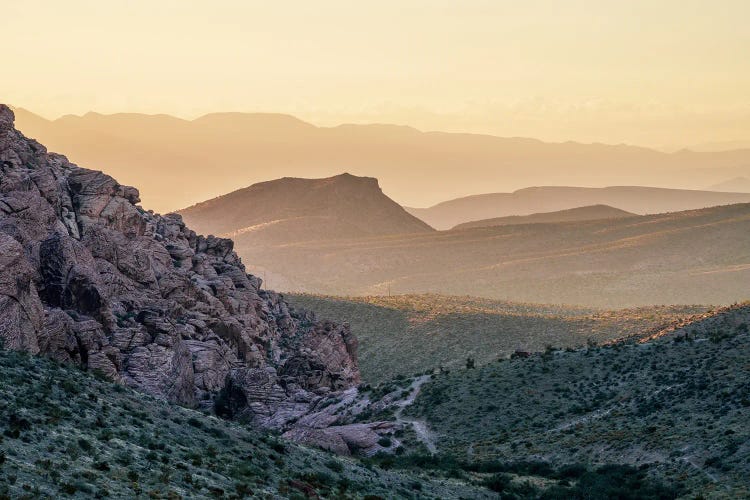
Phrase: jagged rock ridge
(89, 277)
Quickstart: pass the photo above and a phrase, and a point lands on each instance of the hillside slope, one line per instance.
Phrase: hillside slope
(677, 406)
(289, 210)
(692, 257)
(636, 199)
(408, 334)
(214, 154)
(66, 433)
(591, 212)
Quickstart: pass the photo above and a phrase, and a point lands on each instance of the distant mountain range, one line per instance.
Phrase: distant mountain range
(720, 146)
(591, 212)
(635, 199)
(342, 236)
(214, 154)
(736, 185)
(291, 210)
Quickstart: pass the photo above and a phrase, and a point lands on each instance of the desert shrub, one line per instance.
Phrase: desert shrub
(277, 446)
(570, 471)
(102, 466)
(68, 488)
(621, 481)
(524, 467)
(335, 465)
(497, 482)
(85, 445)
(318, 479)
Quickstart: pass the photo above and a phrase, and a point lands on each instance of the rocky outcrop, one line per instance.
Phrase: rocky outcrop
(362, 439)
(89, 277)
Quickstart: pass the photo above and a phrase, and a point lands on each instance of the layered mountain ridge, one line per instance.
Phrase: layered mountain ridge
(690, 257)
(214, 154)
(590, 212)
(641, 200)
(89, 277)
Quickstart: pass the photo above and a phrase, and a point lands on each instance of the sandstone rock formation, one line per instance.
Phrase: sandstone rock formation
(89, 277)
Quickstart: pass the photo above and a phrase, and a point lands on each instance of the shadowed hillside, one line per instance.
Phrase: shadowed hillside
(214, 154)
(592, 212)
(635, 199)
(290, 210)
(408, 334)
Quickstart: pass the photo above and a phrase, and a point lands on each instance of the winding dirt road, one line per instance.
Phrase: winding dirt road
(423, 433)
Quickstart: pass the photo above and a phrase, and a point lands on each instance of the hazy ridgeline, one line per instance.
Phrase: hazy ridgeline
(221, 152)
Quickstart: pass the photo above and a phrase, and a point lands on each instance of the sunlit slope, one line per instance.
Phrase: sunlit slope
(408, 334)
(700, 256)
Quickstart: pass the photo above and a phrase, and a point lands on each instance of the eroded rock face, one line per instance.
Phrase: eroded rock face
(89, 277)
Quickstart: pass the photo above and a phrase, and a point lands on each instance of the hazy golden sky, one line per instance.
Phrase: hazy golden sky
(654, 72)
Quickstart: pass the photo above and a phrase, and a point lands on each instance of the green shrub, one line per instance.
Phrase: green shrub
(335, 465)
(85, 445)
(498, 482)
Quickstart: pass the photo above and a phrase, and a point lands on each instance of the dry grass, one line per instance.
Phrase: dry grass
(699, 256)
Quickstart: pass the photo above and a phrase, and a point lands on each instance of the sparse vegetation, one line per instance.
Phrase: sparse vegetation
(408, 334)
(691, 257)
(673, 411)
(67, 433)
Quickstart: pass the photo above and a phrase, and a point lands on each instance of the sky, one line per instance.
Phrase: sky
(660, 73)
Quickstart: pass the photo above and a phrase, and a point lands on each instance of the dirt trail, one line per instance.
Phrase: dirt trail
(603, 412)
(420, 426)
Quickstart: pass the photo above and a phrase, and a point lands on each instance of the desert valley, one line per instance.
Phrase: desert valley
(360, 250)
(494, 357)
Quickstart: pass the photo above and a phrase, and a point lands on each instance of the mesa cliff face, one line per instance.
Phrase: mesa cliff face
(89, 277)
(294, 209)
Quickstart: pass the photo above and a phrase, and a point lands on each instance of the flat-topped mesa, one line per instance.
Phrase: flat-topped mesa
(297, 209)
(89, 277)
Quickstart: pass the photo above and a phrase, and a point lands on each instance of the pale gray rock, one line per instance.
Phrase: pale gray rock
(361, 439)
